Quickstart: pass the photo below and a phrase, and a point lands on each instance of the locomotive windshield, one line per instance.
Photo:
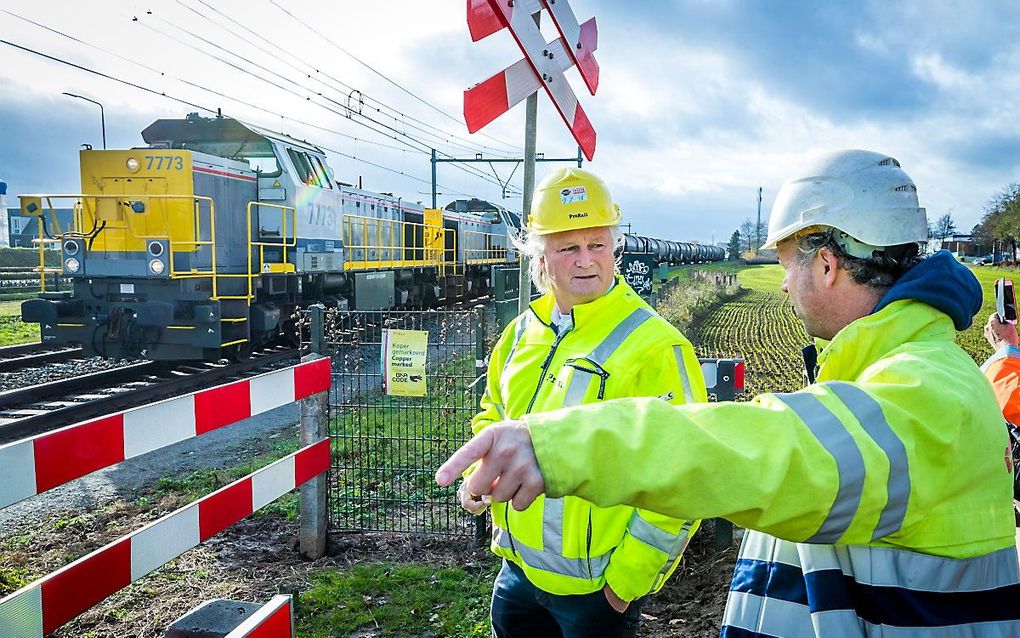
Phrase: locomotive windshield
(257, 154)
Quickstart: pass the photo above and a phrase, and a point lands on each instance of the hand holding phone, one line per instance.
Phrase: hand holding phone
(1005, 301)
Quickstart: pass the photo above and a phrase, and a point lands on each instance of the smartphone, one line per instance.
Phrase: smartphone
(1005, 302)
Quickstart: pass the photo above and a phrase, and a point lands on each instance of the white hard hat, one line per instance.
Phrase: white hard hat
(863, 194)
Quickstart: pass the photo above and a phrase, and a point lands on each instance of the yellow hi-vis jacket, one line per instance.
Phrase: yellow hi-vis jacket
(881, 492)
(616, 347)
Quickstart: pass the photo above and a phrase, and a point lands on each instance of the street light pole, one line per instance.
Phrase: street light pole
(102, 114)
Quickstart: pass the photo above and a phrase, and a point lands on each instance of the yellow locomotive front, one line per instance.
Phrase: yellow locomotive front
(160, 256)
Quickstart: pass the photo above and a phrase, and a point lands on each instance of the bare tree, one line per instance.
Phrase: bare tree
(944, 226)
(747, 232)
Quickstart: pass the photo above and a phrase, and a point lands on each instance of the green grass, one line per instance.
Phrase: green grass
(12, 329)
(762, 277)
(200, 483)
(397, 600)
(12, 579)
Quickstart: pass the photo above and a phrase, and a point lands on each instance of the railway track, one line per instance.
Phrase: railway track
(31, 355)
(40, 408)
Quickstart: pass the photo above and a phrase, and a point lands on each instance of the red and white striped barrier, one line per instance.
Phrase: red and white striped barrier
(34, 465)
(40, 608)
(274, 620)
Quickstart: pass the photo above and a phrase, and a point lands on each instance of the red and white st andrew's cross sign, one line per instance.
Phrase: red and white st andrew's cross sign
(543, 63)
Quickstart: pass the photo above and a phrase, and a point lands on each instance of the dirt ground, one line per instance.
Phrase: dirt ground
(255, 559)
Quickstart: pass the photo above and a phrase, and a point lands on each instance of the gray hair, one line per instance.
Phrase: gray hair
(534, 248)
(879, 270)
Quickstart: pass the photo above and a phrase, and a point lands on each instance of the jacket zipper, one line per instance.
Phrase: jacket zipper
(545, 368)
(587, 550)
(531, 404)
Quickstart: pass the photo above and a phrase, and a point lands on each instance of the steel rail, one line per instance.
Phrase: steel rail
(36, 409)
(29, 355)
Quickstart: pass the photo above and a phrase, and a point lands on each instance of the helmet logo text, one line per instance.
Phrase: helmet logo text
(573, 195)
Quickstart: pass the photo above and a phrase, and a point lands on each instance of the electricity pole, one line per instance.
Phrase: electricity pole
(757, 227)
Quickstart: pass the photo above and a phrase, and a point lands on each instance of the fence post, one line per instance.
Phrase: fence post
(481, 535)
(314, 427)
(317, 315)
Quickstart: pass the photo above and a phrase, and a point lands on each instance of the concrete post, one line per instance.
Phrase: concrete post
(314, 428)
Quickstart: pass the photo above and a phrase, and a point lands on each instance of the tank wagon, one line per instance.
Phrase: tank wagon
(201, 245)
(673, 252)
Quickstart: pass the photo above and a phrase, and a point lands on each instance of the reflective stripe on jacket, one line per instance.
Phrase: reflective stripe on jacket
(616, 347)
(881, 492)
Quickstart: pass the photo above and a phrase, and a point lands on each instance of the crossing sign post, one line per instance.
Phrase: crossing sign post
(543, 65)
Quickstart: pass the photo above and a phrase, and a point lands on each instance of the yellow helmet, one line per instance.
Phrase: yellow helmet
(570, 199)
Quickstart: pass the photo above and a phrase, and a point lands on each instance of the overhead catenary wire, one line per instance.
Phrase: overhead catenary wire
(333, 83)
(382, 75)
(205, 108)
(201, 87)
(345, 111)
(423, 149)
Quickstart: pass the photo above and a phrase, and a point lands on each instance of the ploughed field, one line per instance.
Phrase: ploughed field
(759, 325)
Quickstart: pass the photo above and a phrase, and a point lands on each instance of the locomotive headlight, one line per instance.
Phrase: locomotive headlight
(156, 266)
(132, 165)
(155, 249)
(72, 265)
(70, 248)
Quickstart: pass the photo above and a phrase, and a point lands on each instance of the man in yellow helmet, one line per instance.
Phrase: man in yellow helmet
(878, 496)
(571, 568)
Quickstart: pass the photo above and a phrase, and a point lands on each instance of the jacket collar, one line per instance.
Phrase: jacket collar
(619, 296)
(870, 338)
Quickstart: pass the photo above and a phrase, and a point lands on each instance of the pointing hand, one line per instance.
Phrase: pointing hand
(508, 471)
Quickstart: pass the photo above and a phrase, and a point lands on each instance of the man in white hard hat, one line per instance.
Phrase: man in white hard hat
(879, 495)
(572, 569)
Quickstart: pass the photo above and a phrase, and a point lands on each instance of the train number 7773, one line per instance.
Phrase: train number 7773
(176, 163)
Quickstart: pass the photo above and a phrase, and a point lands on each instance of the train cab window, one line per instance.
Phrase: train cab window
(320, 170)
(264, 166)
(303, 167)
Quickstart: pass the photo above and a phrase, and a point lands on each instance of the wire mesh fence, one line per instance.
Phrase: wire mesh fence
(387, 448)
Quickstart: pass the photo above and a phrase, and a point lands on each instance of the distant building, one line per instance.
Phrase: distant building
(24, 228)
(961, 245)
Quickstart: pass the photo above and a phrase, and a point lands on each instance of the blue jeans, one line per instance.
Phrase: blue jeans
(521, 610)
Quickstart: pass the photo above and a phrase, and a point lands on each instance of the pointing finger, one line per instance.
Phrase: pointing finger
(463, 458)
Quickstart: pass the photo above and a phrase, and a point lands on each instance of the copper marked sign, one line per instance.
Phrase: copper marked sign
(403, 354)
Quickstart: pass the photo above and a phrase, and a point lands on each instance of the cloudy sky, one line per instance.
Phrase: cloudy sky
(700, 102)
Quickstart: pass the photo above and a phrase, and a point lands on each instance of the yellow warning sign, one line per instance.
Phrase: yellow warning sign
(403, 355)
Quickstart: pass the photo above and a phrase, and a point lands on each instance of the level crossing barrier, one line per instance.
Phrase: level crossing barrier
(223, 618)
(274, 620)
(40, 463)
